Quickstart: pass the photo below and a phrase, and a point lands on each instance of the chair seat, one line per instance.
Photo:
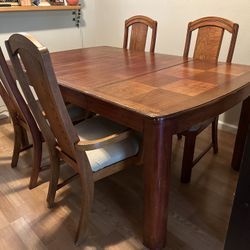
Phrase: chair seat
(201, 125)
(75, 112)
(99, 127)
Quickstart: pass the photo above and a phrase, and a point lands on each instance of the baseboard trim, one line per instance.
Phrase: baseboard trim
(227, 127)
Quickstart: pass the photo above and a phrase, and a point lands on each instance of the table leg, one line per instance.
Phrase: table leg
(241, 134)
(157, 159)
(239, 225)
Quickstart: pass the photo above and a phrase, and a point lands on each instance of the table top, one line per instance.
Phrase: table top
(154, 85)
(89, 68)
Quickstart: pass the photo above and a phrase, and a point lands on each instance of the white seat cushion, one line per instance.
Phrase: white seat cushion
(99, 127)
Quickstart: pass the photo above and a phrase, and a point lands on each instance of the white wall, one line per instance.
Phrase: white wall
(173, 17)
(54, 29)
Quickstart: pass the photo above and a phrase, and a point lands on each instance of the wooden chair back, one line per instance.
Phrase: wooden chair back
(12, 97)
(33, 67)
(7, 96)
(139, 29)
(5, 89)
(209, 38)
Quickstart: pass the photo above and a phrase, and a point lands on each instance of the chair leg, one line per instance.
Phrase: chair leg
(55, 172)
(36, 162)
(17, 144)
(188, 155)
(25, 140)
(87, 185)
(215, 135)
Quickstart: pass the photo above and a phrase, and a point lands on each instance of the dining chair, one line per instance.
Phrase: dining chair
(207, 48)
(94, 148)
(138, 36)
(24, 123)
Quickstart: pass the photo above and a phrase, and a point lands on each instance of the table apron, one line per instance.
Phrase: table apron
(111, 111)
(186, 119)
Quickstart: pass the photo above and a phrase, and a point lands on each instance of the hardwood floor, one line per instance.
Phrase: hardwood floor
(198, 213)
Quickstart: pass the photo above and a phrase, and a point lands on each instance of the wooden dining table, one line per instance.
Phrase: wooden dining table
(159, 96)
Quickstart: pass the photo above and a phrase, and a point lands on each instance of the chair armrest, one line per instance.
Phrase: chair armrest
(95, 144)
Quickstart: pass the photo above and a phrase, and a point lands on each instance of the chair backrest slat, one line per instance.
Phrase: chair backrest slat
(139, 30)
(208, 43)
(5, 89)
(7, 97)
(138, 37)
(33, 66)
(12, 97)
(209, 38)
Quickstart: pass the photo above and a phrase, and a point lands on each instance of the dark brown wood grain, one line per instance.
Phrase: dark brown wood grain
(239, 225)
(33, 67)
(95, 68)
(23, 122)
(207, 48)
(243, 128)
(209, 38)
(139, 26)
(157, 153)
(160, 96)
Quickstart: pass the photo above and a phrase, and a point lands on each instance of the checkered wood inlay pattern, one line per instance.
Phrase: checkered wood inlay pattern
(150, 84)
(177, 88)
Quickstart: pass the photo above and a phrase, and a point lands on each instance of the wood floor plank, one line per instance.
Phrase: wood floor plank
(3, 221)
(198, 212)
(10, 193)
(6, 207)
(26, 234)
(10, 240)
